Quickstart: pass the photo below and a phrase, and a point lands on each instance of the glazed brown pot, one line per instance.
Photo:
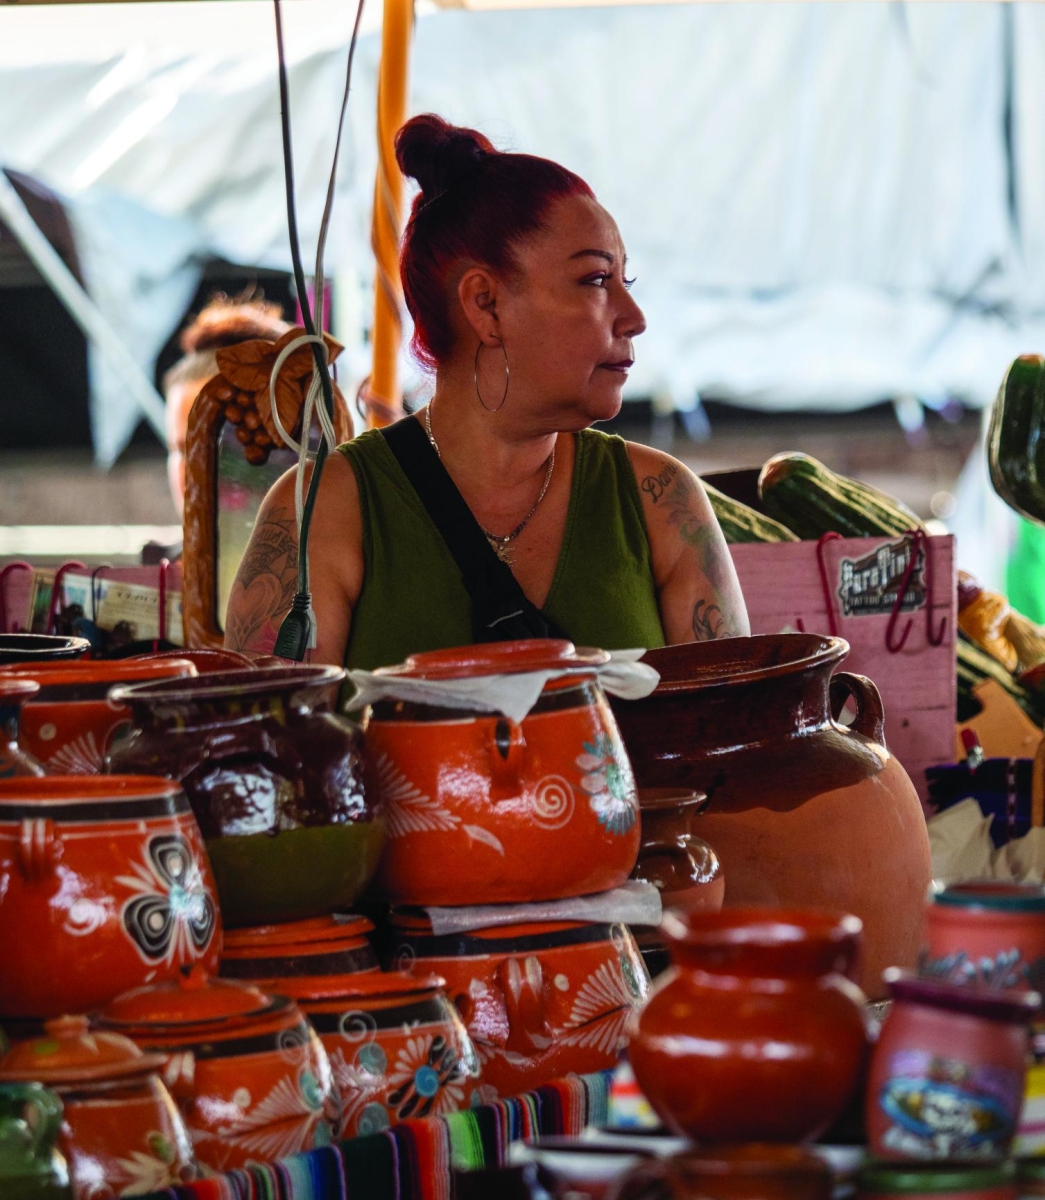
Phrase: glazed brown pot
(757, 1034)
(680, 865)
(802, 811)
(39, 648)
(14, 760)
(743, 1172)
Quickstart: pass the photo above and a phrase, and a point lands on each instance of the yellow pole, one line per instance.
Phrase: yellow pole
(386, 231)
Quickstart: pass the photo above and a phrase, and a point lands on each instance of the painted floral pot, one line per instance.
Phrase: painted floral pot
(758, 1033)
(31, 1168)
(948, 1072)
(71, 722)
(987, 933)
(939, 1180)
(104, 885)
(13, 759)
(39, 648)
(802, 811)
(279, 957)
(540, 1000)
(275, 779)
(742, 1172)
(121, 1133)
(682, 866)
(247, 1070)
(541, 809)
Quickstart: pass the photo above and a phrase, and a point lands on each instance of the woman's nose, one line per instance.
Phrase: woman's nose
(631, 321)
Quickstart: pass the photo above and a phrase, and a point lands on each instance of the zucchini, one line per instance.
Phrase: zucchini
(740, 523)
(1015, 445)
(811, 500)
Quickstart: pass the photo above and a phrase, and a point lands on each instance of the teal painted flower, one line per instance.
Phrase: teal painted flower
(609, 783)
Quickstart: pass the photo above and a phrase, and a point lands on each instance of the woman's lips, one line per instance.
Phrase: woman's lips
(622, 367)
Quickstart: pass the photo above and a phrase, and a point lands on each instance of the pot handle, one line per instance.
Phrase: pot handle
(39, 848)
(521, 981)
(870, 712)
(507, 749)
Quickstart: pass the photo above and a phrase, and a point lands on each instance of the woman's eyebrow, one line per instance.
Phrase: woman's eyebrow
(594, 254)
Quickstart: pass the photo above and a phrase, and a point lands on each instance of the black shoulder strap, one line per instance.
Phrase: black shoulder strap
(501, 611)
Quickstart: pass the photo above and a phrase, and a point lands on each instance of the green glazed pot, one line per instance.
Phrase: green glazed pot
(30, 1166)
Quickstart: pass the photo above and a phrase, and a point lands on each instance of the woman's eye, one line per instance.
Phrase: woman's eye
(628, 283)
(598, 280)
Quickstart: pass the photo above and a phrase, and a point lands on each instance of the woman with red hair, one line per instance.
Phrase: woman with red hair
(515, 277)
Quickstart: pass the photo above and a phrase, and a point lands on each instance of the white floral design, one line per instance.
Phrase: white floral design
(143, 1173)
(426, 1080)
(609, 783)
(600, 1011)
(288, 1121)
(81, 756)
(407, 808)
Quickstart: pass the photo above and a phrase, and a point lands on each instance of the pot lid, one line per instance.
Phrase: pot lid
(87, 671)
(312, 932)
(69, 1051)
(497, 658)
(369, 985)
(996, 1004)
(190, 1000)
(999, 897)
(225, 685)
(921, 1179)
(85, 790)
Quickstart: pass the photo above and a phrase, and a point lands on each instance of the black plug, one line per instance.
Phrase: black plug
(297, 633)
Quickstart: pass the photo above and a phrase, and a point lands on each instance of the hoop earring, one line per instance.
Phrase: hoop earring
(507, 372)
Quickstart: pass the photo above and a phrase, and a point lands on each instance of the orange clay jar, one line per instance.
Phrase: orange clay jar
(70, 723)
(121, 1133)
(538, 810)
(398, 1049)
(247, 1070)
(540, 1000)
(757, 1034)
(104, 885)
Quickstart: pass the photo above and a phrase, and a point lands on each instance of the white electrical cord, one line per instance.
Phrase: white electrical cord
(313, 404)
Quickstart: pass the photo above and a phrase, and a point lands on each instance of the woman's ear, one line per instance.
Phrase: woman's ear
(477, 293)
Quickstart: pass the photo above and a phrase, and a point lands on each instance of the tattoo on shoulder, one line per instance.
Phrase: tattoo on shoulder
(656, 485)
(265, 584)
(709, 622)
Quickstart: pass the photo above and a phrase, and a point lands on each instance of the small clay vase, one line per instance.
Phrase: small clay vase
(275, 779)
(540, 1000)
(757, 1034)
(680, 865)
(987, 933)
(539, 809)
(741, 1172)
(938, 1181)
(13, 759)
(39, 648)
(120, 1127)
(31, 1167)
(104, 884)
(948, 1072)
(247, 1070)
(71, 722)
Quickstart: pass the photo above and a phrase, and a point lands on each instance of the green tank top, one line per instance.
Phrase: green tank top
(413, 598)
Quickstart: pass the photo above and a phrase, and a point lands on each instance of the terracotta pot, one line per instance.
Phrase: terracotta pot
(247, 1070)
(275, 779)
(757, 1034)
(744, 1172)
(38, 647)
(280, 957)
(540, 810)
(948, 1071)
(987, 933)
(104, 884)
(13, 759)
(683, 867)
(71, 722)
(31, 1168)
(802, 811)
(939, 1180)
(121, 1132)
(540, 1000)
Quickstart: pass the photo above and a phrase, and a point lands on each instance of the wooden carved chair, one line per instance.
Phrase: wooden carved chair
(233, 455)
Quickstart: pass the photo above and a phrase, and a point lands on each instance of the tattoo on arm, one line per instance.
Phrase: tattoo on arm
(265, 584)
(709, 622)
(656, 485)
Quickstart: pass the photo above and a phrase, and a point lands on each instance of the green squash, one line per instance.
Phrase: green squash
(1016, 439)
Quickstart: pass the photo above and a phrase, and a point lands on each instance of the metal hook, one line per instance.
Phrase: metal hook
(94, 595)
(933, 638)
(19, 564)
(916, 536)
(825, 583)
(56, 591)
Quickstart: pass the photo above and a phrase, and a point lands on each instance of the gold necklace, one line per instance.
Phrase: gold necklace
(500, 542)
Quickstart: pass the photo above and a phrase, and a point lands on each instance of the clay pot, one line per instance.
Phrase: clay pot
(802, 811)
(987, 933)
(206, 660)
(938, 1180)
(13, 759)
(31, 1168)
(246, 1069)
(104, 884)
(744, 1172)
(757, 1034)
(540, 1000)
(539, 810)
(38, 648)
(279, 957)
(581, 1169)
(71, 722)
(683, 867)
(121, 1133)
(948, 1071)
(275, 779)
